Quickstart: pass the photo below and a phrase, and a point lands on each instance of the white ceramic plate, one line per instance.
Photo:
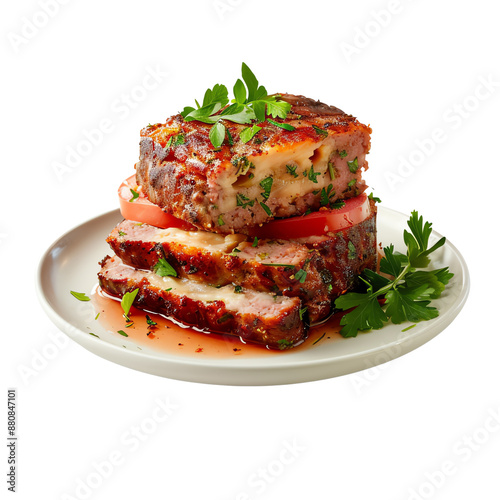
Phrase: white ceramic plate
(71, 263)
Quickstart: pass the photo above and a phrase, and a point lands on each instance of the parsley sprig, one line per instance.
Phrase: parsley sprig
(251, 105)
(408, 295)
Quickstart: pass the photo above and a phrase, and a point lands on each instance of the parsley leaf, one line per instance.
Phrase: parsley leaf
(311, 175)
(135, 195)
(243, 201)
(320, 131)
(163, 268)
(292, 170)
(251, 103)
(408, 295)
(127, 301)
(217, 134)
(353, 165)
(266, 184)
(266, 209)
(285, 126)
(247, 133)
(80, 296)
(301, 276)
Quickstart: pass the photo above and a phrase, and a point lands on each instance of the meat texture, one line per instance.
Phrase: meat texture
(316, 270)
(278, 173)
(254, 316)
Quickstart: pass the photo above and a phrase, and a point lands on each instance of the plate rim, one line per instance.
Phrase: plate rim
(425, 333)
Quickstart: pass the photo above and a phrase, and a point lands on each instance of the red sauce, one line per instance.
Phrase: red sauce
(174, 338)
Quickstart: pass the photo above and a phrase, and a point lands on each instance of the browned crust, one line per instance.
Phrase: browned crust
(281, 331)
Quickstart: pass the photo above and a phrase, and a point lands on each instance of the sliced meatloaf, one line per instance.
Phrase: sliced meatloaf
(317, 270)
(254, 316)
(278, 173)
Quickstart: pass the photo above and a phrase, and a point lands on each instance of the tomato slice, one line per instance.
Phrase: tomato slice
(140, 209)
(354, 211)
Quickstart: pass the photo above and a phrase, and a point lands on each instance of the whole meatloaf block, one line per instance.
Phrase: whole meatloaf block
(278, 173)
(316, 269)
(254, 316)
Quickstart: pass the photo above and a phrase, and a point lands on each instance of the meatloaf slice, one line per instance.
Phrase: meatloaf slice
(278, 173)
(254, 316)
(317, 269)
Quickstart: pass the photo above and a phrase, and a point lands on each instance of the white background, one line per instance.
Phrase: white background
(383, 433)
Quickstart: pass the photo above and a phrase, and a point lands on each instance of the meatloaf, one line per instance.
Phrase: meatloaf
(278, 173)
(257, 317)
(317, 269)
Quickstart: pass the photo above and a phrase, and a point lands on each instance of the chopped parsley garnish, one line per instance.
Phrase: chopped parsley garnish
(266, 184)
(179, 139)
(243, 201)
(285, 126)
(122, 233)
(93, 334)
(311, 175)
(301, 276)
(338, 204)
(224, 318)
(352, 253)
(255, 242)
(242, 164)
(251, 104)
(325, 195)
(169, 142)
(320, 131)
(127, 301)
(80, 296)
(149, 321)
(302, 312)
(374, 198)
(220, 220)
(408, 295)
(247, 133)
(343, 153)
(286, 266)
(292, 170)
(331, 170)
(238, 289)
(266, 209)
(121, 332)
(163, 268)
(353, 165)
(230, 140)
(284, 343)
(135, 195)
